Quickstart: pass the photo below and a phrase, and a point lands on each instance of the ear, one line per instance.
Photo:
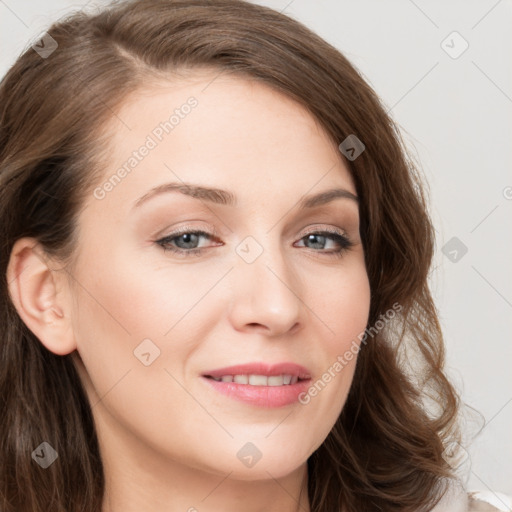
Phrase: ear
(40, 294)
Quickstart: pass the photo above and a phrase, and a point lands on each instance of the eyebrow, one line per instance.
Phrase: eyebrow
(224, 197)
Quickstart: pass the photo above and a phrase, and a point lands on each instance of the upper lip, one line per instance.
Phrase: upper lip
(260, 368)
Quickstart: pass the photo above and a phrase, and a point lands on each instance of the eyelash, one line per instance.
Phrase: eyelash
(164, 243)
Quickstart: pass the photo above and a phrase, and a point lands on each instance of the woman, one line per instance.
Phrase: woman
(215, 254)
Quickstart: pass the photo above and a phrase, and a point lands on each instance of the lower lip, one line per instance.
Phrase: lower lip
(261, 396)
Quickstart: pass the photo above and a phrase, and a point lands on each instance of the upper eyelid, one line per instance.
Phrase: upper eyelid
(215, 234)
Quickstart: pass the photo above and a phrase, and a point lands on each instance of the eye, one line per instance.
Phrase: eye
(322, 239)
(185, 242)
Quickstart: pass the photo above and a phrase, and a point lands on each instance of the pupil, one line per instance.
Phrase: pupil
(312, 238)
(188, 238)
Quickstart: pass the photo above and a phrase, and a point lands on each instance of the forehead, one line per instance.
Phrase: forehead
(221, 131)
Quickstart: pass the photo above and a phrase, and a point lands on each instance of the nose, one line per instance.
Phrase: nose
(266, 295)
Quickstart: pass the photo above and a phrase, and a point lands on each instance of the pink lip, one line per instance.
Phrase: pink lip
(261, 396)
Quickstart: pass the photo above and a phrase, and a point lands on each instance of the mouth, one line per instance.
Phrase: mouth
(260, 384)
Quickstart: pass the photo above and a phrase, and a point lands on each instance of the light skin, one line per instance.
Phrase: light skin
(168, 441)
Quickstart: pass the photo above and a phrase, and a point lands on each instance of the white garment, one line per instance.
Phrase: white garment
(457, 499)
(500, 501)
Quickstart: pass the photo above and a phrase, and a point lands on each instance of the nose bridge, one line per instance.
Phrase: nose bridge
(266, 287)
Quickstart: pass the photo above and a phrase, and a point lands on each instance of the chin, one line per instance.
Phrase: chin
(265, 472)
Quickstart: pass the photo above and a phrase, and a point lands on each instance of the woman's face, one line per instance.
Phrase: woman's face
(159, 310)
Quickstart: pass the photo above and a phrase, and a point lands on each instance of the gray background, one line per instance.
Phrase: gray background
(456, 117)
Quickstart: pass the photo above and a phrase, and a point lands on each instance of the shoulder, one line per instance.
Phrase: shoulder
(458, 499)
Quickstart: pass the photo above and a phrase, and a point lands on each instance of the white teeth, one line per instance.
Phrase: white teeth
(241, 379)
(259, 380)
(275, 380)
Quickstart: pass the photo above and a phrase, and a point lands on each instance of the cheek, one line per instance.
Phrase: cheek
(121, 316)
(136, 299)
(344, 308)
(111, 317)
(130, 307)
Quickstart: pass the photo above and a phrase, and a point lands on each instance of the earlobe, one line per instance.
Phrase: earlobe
(40, 296)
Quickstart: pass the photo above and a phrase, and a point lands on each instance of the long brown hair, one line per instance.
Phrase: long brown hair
(385, 451)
